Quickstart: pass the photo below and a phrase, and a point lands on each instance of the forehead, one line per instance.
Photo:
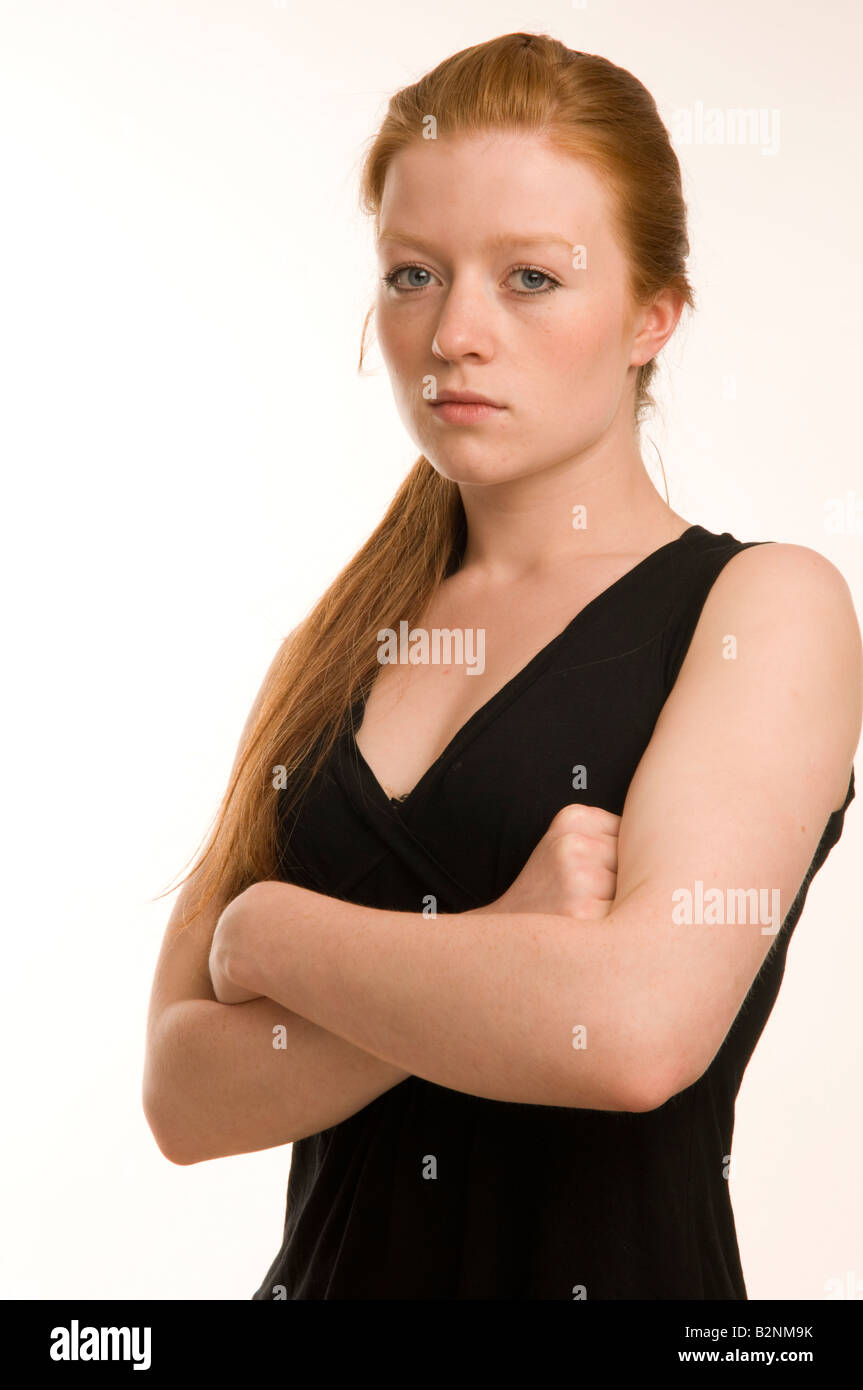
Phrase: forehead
(471, 189)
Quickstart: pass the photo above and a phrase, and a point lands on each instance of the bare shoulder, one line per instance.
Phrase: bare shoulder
(808, 597)
(799, 594)
(782, 617)
(794, 572)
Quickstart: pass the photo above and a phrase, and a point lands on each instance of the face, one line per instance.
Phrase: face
(505, 280)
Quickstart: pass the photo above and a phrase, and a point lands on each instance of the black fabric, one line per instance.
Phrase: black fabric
(529, 1201)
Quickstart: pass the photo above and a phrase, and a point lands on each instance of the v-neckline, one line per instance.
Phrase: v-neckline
(510, 687)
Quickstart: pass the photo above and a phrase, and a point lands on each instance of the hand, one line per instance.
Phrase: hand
(572, 871)
(224, 938)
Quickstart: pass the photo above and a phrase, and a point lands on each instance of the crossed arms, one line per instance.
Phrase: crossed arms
(747, 760)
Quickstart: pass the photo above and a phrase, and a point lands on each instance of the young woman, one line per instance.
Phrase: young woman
(490, 930)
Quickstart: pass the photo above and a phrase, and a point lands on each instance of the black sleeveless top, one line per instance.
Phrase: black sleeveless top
(527, 1201)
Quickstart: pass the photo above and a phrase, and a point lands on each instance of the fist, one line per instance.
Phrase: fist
(573, 870)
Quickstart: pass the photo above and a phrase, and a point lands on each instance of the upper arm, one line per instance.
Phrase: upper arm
(182, 969)
(751, 753)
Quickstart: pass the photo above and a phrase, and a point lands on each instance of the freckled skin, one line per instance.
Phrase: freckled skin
(562, 360)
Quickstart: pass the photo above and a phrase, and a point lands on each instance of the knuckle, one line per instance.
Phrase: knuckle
(571, 847)
(571, 815)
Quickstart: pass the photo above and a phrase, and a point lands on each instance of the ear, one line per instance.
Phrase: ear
(653, 325)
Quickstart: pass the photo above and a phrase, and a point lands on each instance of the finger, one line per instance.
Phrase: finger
(595, 881)
(588, 850)
(589, 909)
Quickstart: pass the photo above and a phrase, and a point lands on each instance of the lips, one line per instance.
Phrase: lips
(465, 398)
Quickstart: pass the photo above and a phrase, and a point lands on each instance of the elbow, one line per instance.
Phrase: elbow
(650, 1075)
(170, 1149)
(178, 1143)
(646, 1095)
(166, 1107)
(172, 1143)
(649, 1086)
(632, 1088)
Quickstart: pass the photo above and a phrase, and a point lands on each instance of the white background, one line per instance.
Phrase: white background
(190, 457)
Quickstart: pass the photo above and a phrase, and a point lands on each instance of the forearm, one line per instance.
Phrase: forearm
(228, 1079)
(495, 1005)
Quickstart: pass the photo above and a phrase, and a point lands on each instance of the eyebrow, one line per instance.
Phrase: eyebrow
(500, 239)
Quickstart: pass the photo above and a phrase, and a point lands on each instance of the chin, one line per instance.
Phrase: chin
(476, 472)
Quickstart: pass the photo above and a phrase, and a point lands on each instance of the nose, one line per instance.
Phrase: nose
(464, 326)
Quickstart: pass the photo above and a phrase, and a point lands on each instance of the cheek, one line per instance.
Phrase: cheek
(579, 360)
(579, 372)
(589, 345)
(398, 340)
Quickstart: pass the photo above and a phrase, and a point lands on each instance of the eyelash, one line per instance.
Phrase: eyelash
(389, 281)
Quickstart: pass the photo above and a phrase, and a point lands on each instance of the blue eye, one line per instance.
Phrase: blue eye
(389, 280)
(535, 270)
